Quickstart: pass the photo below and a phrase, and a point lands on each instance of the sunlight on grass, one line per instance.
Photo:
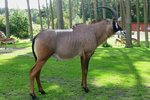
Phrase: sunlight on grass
(54, 87)
(144, 70)
(115, 79)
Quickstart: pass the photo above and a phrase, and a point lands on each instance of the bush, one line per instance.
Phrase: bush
(19, 24)
(2, 23)
(106, 45)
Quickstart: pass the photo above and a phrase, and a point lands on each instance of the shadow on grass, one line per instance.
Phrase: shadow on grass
(61, 80)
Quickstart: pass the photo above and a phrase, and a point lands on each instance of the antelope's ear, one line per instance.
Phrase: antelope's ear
(115, 26)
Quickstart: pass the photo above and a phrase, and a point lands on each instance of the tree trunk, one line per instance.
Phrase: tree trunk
(30, 21)
(47, 15)
(128, 24)
(41, 22)
(138, 22)
(95, 9)
(104, 15)
(116, 5)
(123, 13)
(52, 16)
(60, 14)
(104, 11)
(83, 11)
(70, 13)
(146, 22)
(89, 7)
(7, 19)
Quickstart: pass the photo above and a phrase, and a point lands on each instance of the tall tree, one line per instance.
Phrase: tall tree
(30, 20)
(47, 14)
(128, 24)
(90, 10)
(70, 13)
(123, 13)
(41, 22)
(60, 20)
(95, 9)
(146, 22)
(104, 11)
(138, 22)
(52, 16)
(116, 5)
(7, 19)
(83, 11)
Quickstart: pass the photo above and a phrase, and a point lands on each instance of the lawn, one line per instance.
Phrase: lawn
(114, 74)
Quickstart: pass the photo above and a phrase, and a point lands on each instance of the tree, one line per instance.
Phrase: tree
(52, 16)
(60, 20)
(83, 10)
(138, 22)
(95, 9)
(104, 11)
(30, 20)
(7, 19)
(41, 23)
(146, 22)
(70, 13)
(90, 11)
(47, 15)
(123, 13)
(19, 24)
(128, 24)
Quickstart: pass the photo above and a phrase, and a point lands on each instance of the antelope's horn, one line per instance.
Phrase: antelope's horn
(114, 13)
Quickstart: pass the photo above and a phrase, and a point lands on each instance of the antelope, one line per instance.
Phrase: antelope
(81, 41)
(4, 40)
(118, 40)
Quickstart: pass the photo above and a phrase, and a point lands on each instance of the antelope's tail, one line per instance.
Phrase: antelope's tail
(33, 42)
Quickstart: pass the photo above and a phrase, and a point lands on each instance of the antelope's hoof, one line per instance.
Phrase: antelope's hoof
(42, 91)
(33, 96)
(86, 89)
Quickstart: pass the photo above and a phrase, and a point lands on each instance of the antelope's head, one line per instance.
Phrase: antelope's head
(115, 26)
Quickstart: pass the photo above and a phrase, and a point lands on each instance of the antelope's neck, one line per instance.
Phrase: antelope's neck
(100, 30)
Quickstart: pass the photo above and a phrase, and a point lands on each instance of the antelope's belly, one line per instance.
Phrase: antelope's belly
(65, 56)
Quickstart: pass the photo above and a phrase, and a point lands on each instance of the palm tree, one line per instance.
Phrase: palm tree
(7, 19)
(30, 20)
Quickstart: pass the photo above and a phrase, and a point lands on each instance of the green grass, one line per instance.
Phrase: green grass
(114, 74)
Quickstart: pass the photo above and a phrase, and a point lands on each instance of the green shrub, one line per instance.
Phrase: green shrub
(19, 24)
(2, 23)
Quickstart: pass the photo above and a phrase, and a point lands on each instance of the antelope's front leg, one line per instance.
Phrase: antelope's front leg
(84, 67)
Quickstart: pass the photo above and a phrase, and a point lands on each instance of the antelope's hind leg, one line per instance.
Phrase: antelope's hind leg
(39, 83)
(42, 53)
(35, 72)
